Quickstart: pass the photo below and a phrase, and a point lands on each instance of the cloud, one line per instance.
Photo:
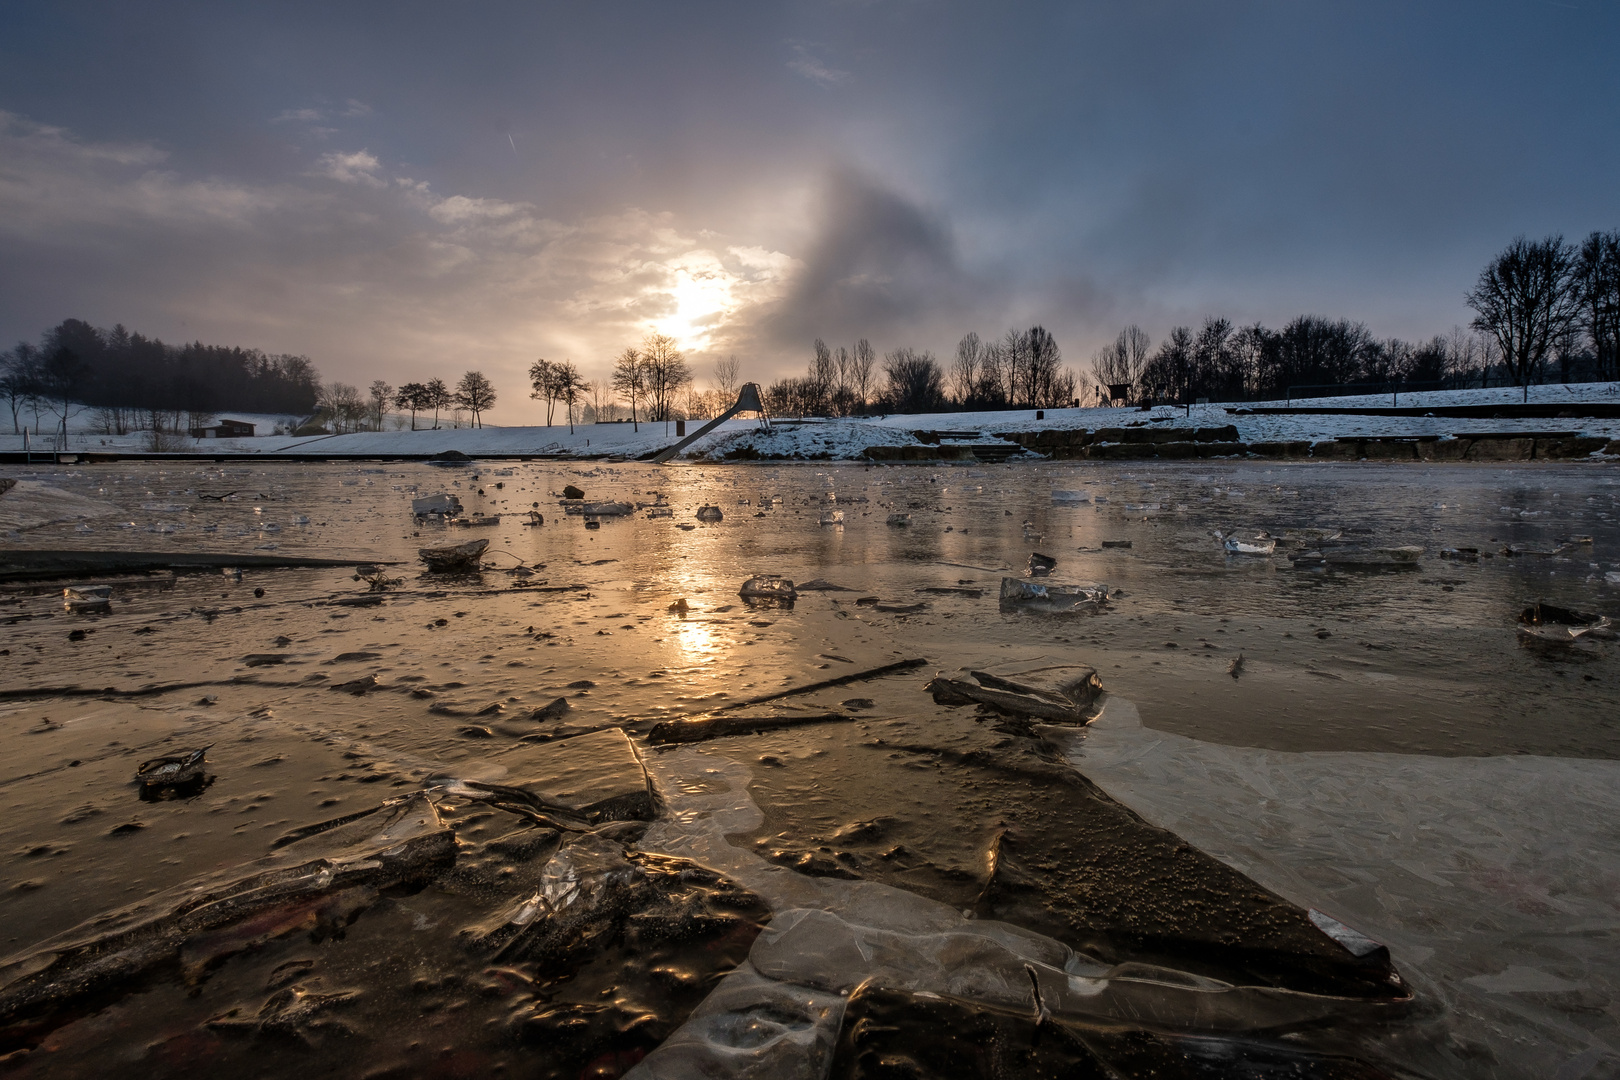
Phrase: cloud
(385, 276)
(459, 209)
(352, 109)
(879, 264)
(804, 63)
(371, 279)
(61, 191)
(360, 167)
(29, 140)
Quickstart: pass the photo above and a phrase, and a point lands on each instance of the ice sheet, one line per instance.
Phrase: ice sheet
(1494, 881)
(779, 1014)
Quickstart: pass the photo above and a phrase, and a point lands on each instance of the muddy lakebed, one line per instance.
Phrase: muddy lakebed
(1319, 820)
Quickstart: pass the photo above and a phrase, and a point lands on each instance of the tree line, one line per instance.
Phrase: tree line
(473, 393)
(653, 379)
(131, 378)
(137, 383)
(1022, 369)
(1541, 308)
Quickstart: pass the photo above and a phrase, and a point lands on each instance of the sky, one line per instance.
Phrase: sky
(401, 190)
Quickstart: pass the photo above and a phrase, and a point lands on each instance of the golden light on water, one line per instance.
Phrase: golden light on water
(695, 637)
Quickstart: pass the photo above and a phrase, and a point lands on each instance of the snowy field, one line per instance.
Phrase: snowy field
(845, 439)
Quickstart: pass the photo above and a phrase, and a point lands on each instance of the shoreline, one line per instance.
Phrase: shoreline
(1556, 423)
(1015, 448)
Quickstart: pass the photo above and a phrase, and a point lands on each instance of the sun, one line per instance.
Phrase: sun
(702, 292)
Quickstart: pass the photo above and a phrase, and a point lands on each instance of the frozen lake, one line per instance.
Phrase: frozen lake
(1390, 754)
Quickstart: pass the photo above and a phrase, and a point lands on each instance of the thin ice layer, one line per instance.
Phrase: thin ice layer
(1492, 880)
(830, 935)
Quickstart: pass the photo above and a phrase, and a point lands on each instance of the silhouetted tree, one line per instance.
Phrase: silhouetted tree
(1526, 298)
(819, 379)
(412, 396)
(965, 368)
(571, 388)
(727, 372)
(381, 394)
(1312, 350)
(1014, 360)
(345, 409)
(476, 394)
(1121, 363)
(128, 373)
(667, 373)
(58, 378)
(19, 379)
(436, 396)
(543, 385)
(1045, 385)
(630, 379)
(1597, 275)
(914, 381)
(860, 372)
(843, 393)
(1167, 376)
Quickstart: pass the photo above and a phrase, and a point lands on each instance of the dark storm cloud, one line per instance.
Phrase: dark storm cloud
(879, 265)
(398, 187)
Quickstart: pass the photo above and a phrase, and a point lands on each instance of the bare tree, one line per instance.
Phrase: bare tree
(965, 367)
(727, 372)
(860, 372)
(603, 407)
(1014, 363)
(56, 382)
(436, 396)
(821, 375)
(412, 396)
(1469, 358)
(19, 379)
(1045, 367)
(1120, 364)
(667, 373)
(841, 393)
(992, 388)
(568, 387)
(915, 382)
(345, 409)
(543, 385)
(1597, 274)
(381, 395)
(630, 379)
(476, 394)
(1526, 298)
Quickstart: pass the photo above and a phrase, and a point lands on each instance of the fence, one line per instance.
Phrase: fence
(1393, 389)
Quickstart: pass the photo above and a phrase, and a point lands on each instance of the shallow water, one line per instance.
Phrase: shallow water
(1368, 667)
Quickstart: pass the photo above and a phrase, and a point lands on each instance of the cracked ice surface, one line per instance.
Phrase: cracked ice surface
(1495, 881)
(778, 1015)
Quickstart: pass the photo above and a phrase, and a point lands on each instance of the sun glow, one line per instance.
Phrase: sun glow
(702, 294)
(696, 639)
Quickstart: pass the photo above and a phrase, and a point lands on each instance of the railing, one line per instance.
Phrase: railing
(1393, 389)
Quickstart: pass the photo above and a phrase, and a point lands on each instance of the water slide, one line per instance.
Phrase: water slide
(747, 401)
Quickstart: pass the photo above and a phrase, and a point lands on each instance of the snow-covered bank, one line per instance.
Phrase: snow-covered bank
(848, 438)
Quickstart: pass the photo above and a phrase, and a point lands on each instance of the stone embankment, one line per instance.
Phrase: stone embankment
(1145, 443)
